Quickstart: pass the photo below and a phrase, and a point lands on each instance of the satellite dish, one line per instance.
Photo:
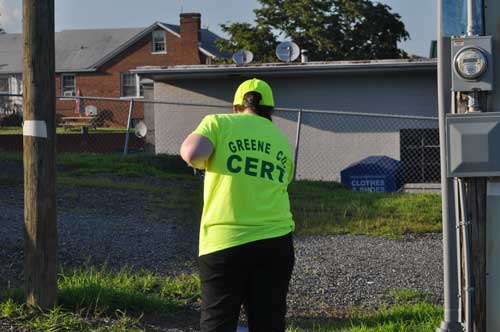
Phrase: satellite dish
(287, 51)
(90, 110)
(141, 129)
(242, 57)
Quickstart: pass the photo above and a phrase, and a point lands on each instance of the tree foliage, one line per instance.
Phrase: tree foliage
(328, 29)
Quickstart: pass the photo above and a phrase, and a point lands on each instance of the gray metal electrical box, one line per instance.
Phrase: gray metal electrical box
(482, 45)
(473, 144)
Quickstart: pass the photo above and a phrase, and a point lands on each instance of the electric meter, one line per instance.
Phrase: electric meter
(471, 63)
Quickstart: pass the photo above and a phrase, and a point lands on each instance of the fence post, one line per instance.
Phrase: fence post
(297, 142)
(127, 134)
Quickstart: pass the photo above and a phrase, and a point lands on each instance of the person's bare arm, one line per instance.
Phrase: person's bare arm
(196, 149)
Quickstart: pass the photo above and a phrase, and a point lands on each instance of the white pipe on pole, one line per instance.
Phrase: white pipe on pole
(469, 290)
(471, 18)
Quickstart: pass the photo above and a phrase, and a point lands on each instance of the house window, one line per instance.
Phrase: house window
(4, 84)
(68, 85)
(130, 86)
(159, 42)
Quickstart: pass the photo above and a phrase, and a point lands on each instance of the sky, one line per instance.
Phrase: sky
(419, 16)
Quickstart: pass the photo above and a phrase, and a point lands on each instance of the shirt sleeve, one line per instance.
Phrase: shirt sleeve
(208, 128)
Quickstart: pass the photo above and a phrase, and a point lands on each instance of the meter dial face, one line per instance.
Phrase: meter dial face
(471, 63)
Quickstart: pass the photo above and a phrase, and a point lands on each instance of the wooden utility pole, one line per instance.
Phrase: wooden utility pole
(40, 255)
(475, 193)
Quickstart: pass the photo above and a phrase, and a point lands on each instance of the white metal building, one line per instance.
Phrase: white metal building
(328, 142)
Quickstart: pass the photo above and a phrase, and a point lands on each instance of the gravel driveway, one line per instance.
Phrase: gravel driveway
(332, 273)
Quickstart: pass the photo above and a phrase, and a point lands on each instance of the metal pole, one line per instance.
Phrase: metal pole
(451, 322)
(127, 134)
(297, 142)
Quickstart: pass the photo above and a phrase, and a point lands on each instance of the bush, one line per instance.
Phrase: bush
(12, 120)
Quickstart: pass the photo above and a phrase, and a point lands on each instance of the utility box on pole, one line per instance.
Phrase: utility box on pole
(467, 53)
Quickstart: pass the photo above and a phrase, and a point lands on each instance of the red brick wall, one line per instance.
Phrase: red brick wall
(106, 82)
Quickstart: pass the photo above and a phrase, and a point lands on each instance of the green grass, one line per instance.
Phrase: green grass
(11, 156)
(330, 208)
(100, 300)
(318, 207)
(161, 167)
(139, 292)
(412, 312)
(59, 130)
(408, 295)
(106, 291)
(420, 317)
(62, 320)
(89, 297)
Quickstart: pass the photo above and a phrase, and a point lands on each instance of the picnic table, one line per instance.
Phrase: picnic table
(82, 122)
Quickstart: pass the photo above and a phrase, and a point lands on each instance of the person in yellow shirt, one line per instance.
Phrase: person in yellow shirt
(246, 253)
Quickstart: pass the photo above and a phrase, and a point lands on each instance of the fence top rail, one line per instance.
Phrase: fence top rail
(228, 106)
(307, 110)
(4, 94)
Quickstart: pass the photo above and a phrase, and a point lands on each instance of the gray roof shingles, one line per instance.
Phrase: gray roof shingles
(11, 60)
(80, 50)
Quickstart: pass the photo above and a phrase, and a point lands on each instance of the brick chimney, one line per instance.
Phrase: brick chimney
(190, 38)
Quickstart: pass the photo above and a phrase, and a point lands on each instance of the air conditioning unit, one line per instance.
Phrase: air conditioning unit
(68, 94)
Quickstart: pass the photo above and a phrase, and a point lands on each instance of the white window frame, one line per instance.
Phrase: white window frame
(68, 89)
(137, 86)
(163, 34)
(18, 79)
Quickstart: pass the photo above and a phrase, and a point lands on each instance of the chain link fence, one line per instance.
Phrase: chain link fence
(364, 151)
(83, 124)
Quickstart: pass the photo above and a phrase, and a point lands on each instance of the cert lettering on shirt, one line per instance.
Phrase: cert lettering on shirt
(264, 162)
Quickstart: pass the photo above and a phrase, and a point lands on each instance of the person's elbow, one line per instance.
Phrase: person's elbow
(196, 150)
(187, 153)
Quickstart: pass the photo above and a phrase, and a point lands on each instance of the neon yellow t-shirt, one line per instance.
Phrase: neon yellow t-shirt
(246, 180)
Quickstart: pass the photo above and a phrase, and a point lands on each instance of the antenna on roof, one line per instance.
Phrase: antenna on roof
(287, 51)
(242, 57)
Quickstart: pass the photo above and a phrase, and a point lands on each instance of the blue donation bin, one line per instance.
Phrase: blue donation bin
(374, 174)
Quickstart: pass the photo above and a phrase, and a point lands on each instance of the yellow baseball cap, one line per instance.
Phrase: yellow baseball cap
(254, 85)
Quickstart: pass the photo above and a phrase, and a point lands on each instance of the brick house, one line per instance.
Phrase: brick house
(98, 62)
